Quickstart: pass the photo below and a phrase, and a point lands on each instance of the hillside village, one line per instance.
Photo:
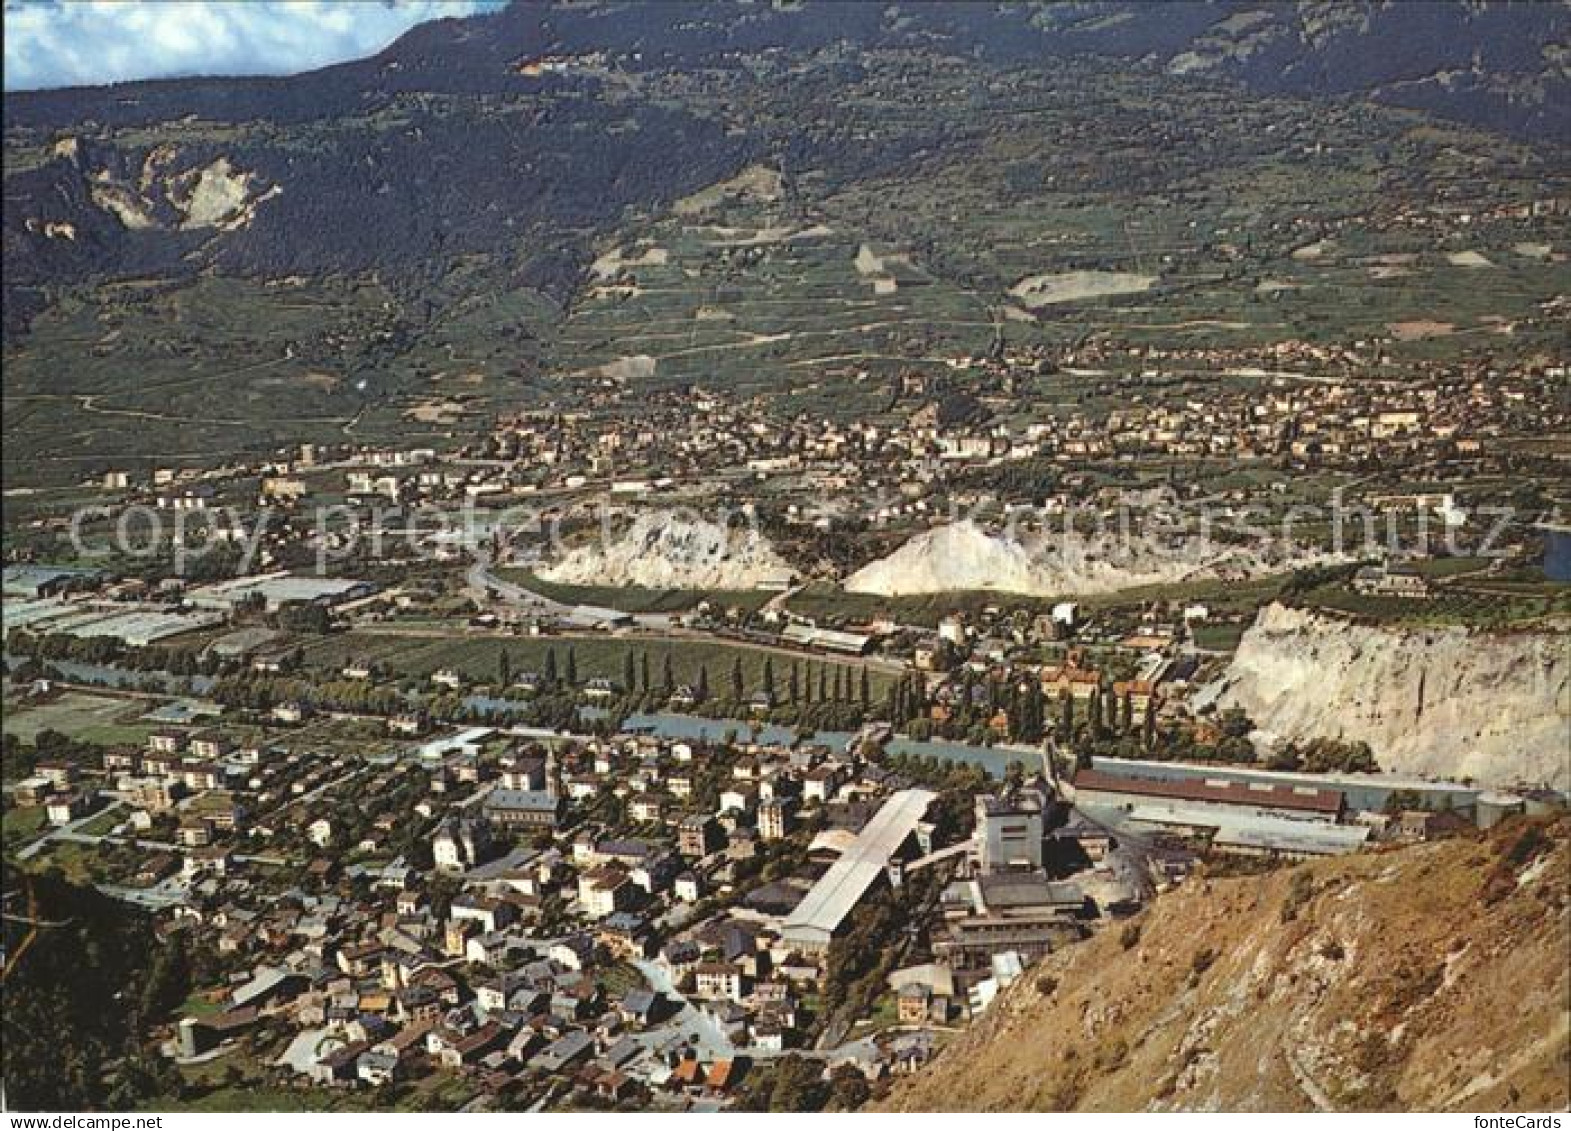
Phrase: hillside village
(941, 427)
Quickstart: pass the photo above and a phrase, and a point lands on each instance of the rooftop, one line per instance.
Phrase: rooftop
(1215, 791)
(1145, 768)
(24, 578)
(842, 887)
(1003, 891)
(1258, 831)
(520, 799)
(275, 589)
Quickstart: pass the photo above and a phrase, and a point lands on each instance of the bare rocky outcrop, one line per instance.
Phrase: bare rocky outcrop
(664, 550)
(964, 556)
(1438, 702)
(217, 195)
(160, 195)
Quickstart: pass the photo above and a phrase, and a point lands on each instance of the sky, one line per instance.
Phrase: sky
(51, 43)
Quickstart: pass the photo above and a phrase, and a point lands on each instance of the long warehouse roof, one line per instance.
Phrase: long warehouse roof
(842, 887)
(1248, 830)
(1264, 795)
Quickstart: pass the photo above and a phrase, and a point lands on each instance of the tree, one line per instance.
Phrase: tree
(702, 690)
(1235, 723)
(667, 674)
(572, 667)
(1031, 719)
(794, 688)
(848, 1087)
(1401, 800)
(1285, 757)
(798, 1085)
(504, 668)
(867, 699)
(303, 616)
(769, 677)
(738, 690)
(169, 980)
(1330, 755)
(550, 666)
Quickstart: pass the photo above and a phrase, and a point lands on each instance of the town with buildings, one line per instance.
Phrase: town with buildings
(1139, 407)
(444, 827)
(741, 557)
(547, 885)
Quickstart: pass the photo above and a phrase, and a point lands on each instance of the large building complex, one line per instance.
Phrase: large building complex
(1234, 813)
(1009, 830)
(1095, 787)
(814, 923)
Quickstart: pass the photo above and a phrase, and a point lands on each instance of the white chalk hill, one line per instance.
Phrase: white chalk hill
(660, 550)
(962, 555)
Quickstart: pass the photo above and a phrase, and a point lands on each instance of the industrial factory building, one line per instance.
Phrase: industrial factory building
(1117, 791)
(888, 837)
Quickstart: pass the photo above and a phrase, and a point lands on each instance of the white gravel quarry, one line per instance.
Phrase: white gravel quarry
(962, 555)
(666, 550)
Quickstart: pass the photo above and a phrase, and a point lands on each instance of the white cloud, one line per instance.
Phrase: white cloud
(51, 43)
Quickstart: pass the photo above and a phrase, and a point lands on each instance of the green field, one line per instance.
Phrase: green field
(243, 1081)
(830, 605)
(747, 289)
(102, 719)
(79, 862)
(214, 378)
(1438, 569)
(22, 822)
(255, 1097)
(1498, 606)
(1219, 637)
(103, 823)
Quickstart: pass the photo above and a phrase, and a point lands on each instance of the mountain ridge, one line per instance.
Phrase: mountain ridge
(564, 136)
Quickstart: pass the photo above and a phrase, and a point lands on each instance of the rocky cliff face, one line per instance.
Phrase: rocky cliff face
(168, 191)
(1433, 701)
(1426, 978)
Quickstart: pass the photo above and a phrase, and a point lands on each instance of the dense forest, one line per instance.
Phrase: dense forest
(85, 979)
